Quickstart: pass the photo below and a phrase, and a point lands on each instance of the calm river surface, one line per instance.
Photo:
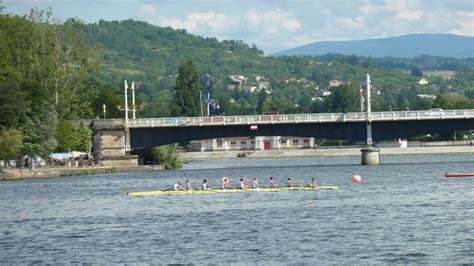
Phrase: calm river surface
(404, 211)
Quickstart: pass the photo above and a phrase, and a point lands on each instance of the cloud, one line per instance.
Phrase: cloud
(270, 22)
(278, 25)
(147, 10)
(465, 23)
(352, 23)
(404, 9)
(201, 22)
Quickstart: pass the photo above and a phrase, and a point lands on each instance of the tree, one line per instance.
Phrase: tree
(186, 100)
(10, 143)
(353, 60)
(416, 72)
(344, 98)
(14, 104)
(112, 99)
(262, 98)
(165, 155)
(224, 105)
(71, 137)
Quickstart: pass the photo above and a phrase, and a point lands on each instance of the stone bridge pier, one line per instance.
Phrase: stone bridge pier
(111, 144)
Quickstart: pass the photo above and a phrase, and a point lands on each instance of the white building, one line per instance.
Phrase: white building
(423, 81)
(250, 143)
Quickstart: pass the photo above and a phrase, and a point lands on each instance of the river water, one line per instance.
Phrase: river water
(404, 211)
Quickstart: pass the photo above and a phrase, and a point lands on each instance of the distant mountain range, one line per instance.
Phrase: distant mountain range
(406, 46)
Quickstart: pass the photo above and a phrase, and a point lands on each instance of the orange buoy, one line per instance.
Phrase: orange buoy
(356, 179)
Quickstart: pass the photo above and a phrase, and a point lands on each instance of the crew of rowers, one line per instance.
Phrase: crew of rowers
(244, 184)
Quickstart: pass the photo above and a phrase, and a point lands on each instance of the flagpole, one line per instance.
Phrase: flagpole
(208, 102)
(200, 102)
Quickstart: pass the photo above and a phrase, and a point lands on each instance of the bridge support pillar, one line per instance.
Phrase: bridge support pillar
(370, 156)
(110, 146)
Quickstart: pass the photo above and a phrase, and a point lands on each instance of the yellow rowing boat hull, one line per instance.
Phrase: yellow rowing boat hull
(232, 190)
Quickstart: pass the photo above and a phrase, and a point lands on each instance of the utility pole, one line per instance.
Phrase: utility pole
(126, 103)
(208, 102)
(370, 154)
(200, 102)
(368, 117)
(133, 101)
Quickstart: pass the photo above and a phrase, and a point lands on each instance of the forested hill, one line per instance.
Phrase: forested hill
(151, 55)
(406, 46)
(134, 48)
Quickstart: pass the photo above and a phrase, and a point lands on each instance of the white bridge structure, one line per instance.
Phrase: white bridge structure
(434, 114)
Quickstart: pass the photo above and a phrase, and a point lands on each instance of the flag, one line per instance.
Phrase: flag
(210, 106)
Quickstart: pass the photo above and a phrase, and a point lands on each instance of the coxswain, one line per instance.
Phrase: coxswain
(188, 185)
(273, 182)
(177, 186)
(289, 182)
(204, 185)
(255, 183)
(312, 183)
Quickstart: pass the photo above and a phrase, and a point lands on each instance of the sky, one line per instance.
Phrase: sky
(274, 25)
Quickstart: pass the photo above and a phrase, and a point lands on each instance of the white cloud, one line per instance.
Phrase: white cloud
(352, 23)
(201, 22)
(270, 22)
(147, 11)
(404, 9)
(465, 21)
(280, 25)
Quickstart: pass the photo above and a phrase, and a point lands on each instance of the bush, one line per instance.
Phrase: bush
(164, 155)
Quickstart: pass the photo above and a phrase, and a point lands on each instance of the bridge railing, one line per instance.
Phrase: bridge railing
(302, 118)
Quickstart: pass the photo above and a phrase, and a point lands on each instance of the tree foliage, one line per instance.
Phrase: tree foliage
(164, 155)
(10, 143)
(73, 138)
(344, 98)
(186, 100)
(46, 74)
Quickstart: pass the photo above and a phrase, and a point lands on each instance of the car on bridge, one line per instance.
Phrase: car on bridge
(435, 112)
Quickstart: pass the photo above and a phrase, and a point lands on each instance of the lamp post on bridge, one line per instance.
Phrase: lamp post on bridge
(126, 102)
(370, 154)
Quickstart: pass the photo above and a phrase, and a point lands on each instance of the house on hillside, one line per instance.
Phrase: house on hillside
(427, 96)
(259, 78)
(237, 79)
(335, 83)
(250, 88)
(265, 85)
(423, 81)
(324, 92)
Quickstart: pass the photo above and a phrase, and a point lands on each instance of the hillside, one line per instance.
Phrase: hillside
(232, 71)
(406, 46)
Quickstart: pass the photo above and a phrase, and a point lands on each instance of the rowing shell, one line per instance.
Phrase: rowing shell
(232, 190)
(459, 175)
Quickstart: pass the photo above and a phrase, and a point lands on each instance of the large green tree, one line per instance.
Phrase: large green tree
(186, 100)
(10, 143)
(344, 98)
(262, 98)
(47, 74)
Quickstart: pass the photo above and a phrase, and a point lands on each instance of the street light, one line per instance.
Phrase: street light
(103, 108)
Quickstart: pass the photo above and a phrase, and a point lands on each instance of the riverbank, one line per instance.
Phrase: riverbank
(24, 173)
(333, 152)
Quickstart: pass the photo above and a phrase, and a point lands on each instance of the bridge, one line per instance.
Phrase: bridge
(113, 138)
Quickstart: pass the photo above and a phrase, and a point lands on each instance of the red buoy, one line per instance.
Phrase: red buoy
(356, 179)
